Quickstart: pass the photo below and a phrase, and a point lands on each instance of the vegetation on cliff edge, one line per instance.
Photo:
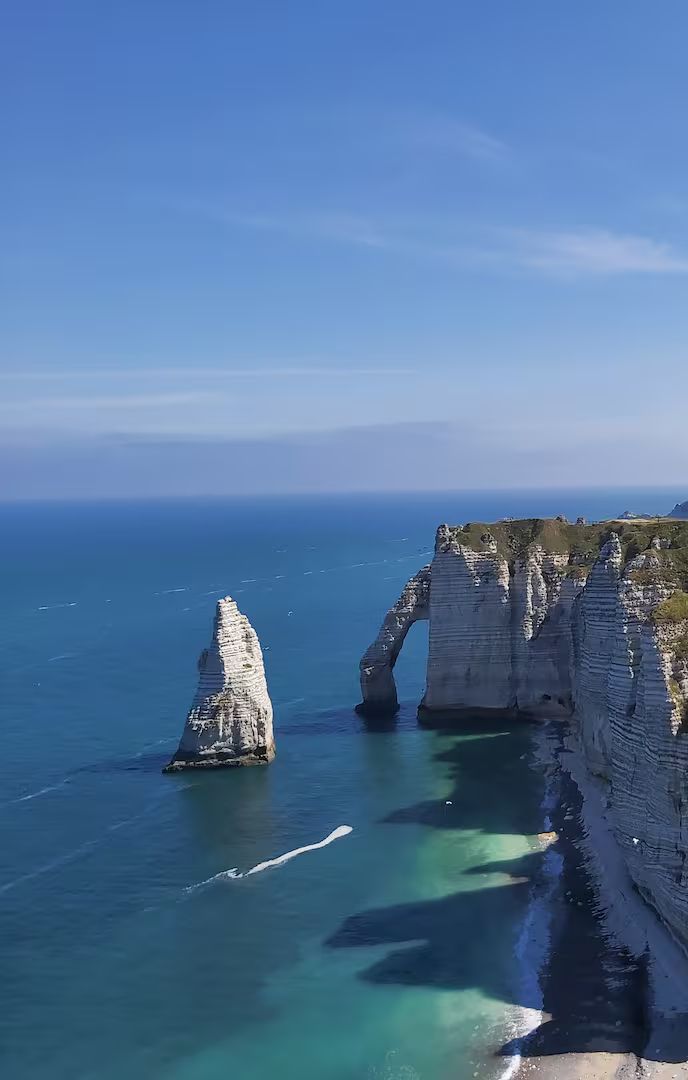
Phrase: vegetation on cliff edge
(673, 610)
(583, 543)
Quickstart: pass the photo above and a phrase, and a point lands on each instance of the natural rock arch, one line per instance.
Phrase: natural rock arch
(378, 688)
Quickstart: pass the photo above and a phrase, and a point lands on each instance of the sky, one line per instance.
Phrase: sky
(315, 246)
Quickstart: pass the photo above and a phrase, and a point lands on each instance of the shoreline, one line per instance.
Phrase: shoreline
(614, 984)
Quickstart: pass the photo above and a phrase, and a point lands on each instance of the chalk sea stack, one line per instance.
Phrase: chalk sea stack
(542, 618)
(230, 720)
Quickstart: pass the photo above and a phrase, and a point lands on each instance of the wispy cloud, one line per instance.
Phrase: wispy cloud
(448, 135)
(220, 373)
(592, 252)
(339, 227)
(114, 401)
(582, 250)
(574, 252)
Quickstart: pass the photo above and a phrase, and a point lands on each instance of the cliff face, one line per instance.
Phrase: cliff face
(593, 631)
(470, 628)
(636, 734)
(543, 617)
(230, 720)
(500, 624)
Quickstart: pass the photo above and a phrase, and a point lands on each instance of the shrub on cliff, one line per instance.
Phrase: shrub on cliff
(673, 610)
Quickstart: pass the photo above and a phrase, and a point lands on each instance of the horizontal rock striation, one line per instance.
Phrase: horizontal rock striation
(541, 617)
(594, 626)
(470, 628)
(230, 720)
(499, 627)
(636, 736)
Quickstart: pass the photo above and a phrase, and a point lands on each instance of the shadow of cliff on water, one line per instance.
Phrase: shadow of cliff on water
(440, 942)
(593, 995)
(491, 786)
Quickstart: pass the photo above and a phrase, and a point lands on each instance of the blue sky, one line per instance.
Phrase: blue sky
(339, 246)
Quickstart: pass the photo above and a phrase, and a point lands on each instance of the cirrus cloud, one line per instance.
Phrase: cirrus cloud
(595, 251)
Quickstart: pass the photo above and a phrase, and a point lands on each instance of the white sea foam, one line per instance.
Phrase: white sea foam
(233, 873)
(53, 607)
(68, 857)
(37, 794)
(81, 850)
(532, 951)
(62, 656)
(88, 845)
(533, 944)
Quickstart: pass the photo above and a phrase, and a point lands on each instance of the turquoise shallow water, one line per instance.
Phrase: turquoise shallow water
(388, 954)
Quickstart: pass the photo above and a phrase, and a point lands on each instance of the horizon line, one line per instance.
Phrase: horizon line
(344, 493)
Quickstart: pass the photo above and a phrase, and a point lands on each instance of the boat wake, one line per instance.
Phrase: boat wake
(234, 873)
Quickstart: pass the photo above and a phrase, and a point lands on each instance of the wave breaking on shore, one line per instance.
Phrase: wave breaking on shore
(532, 949)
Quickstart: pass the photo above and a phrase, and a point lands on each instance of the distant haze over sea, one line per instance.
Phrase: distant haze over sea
(378, 458)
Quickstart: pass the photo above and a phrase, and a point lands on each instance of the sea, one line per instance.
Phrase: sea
(134, 942)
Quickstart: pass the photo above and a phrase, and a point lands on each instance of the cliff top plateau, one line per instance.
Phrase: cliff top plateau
(665, 539)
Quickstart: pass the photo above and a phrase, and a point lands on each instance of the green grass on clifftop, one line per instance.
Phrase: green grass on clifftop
(674, 610)
(584, 542)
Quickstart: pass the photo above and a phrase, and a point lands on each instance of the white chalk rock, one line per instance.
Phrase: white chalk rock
(519, 625)
(378, 688)
(230, 720)
(500, 629)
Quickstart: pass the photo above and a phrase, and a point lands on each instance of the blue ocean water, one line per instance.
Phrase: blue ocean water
(392, 952)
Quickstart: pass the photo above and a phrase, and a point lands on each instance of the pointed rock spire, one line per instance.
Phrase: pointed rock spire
(230, 720)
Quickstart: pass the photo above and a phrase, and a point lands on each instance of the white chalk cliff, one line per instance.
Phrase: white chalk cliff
(230, 720)
(547, 618)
